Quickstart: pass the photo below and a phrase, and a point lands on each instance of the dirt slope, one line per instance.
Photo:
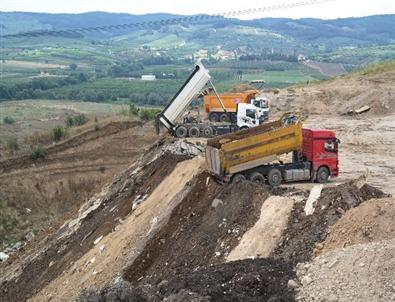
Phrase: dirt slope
(375, 88)
(42, 194)
(371, 221)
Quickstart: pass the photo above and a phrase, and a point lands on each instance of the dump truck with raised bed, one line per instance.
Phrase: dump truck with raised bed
(247, 115)
(253, 153)
(213, 107)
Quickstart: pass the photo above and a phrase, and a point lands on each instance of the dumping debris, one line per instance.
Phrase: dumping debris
(246, 280)
(371, 221)
(304, 232)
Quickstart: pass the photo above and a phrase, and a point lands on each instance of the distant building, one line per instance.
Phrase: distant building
(224, 55)
(201, 54)
(148, 77)
(302, 58)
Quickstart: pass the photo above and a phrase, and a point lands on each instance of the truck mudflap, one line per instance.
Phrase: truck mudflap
(213, 161)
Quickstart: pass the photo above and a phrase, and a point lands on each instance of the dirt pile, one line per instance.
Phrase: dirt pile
(370, 221)
(374, 89)
(362, 272)
(246, 280)
(201, 231)
(304, 232)
(27, 273)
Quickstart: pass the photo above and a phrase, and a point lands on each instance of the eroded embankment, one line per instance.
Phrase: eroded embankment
(26, 275)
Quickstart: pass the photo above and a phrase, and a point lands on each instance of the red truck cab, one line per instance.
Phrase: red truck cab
(320, 147)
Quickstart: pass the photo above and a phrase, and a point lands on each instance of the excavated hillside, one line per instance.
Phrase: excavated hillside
(39, 195)
(373, 87)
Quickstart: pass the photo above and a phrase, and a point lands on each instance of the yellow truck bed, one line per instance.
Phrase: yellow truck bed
(250, 148)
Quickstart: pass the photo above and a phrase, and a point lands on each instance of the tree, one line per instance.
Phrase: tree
(73, 66)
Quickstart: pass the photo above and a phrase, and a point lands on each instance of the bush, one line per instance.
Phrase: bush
(69, 121)
(58, 133)
(8, 120)
(133, 110)
(12, 144)
(38, 152)
(148, 114)
(80, 119)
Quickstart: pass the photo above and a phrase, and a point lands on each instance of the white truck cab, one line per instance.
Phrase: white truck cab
(262, 105)
(247, 116)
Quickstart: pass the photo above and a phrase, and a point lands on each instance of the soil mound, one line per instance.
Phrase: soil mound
(363, 272)
(245, 280)
(202, 230)
(303, 232)
(371, 221)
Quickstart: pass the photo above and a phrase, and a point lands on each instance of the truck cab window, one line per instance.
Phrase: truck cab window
(250, 113)
(257, 103)
(331, 146)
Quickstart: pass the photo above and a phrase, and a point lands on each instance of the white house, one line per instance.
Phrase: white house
(148, 77)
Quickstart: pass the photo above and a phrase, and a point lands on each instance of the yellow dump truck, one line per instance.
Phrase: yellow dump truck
(252, 153)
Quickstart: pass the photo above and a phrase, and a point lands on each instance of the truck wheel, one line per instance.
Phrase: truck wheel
(274, 177)
(322, 175)
(208, 131)
(194, 132)
(257, 178)
(238, 178)
(214, 117)
(224, 118)
(181, 132)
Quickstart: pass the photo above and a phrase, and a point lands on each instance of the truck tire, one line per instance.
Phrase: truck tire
(238, 178)
(194, 132)
(274, 177)
(208, 131)
(181, 132)
(257, 178)
(213, 117)
(224, 117)
(322, 175)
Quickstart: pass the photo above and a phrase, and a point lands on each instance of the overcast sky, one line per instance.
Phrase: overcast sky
(330, 10)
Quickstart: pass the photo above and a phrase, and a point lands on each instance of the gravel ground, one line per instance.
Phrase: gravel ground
(364, 272)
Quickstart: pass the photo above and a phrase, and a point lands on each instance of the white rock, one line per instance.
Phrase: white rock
(98, 240)
(3, 256)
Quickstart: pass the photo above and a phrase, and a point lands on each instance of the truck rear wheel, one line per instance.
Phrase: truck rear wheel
(238, 178)
(257, 178)
(322, 175)
(213, 117)
(224, 117)
(194, 132)
(181, 132)
(274, 177)
(208, 131)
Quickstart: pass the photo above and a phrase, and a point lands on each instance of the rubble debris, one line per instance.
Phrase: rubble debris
(98, 240)
(198, 234)
(304, 232)
(363, 272)
(183, 147)
(371, 221)
(246, 280)
(3, 256)
(312, 200)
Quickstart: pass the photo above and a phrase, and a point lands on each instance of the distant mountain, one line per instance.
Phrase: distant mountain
(313, 37)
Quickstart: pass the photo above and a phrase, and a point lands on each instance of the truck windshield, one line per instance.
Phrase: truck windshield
(331, 145)
(251, 113)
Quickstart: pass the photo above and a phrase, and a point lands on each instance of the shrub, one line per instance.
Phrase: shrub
(133, 110)
(80, 119)
(58, 133)
(148, 114)
(8, 120)
(12, 144)
(38, 152)
(69, 121)
(102, 169)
